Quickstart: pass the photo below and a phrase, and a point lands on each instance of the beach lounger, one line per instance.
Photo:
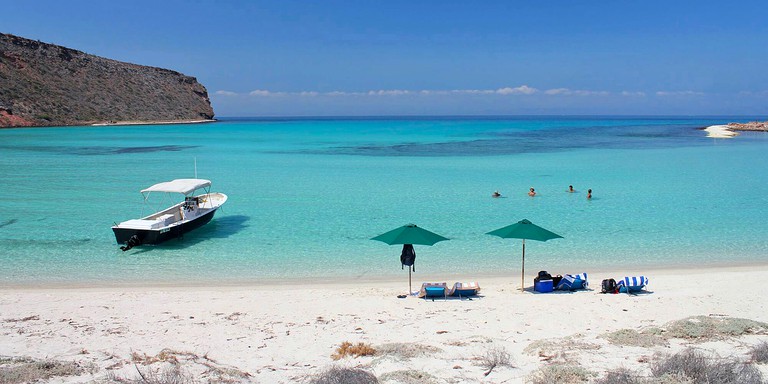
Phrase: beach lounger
(572, 282)
(464, 289)
(631, 284)
(433, 290)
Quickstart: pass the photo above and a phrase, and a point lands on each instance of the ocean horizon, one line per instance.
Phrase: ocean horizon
(306, 194)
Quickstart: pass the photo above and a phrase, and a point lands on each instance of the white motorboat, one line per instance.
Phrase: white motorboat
(191, 213)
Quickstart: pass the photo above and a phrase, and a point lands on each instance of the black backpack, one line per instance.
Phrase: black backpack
(609, 286)
(543, 275)
(408, 257)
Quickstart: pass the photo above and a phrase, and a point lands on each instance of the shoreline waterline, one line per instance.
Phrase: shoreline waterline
(152, 122)
(513, 277)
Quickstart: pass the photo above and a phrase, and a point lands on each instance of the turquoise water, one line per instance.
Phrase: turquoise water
(306, 195)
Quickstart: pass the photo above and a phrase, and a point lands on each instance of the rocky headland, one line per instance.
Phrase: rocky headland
(49, 85)
(751, 126)
(732, 129)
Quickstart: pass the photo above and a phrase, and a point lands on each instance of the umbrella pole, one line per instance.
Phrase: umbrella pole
(410, 290)
(522, 275)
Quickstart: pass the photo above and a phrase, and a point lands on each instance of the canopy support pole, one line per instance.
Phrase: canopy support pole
(522, 275)
(410, 290)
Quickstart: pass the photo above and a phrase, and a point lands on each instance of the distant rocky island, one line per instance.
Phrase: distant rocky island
(49, 85)
(751, 126)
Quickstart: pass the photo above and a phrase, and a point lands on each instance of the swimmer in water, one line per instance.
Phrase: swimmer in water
(589, 194)
(531, 193)
(570, 189)
(496, 194)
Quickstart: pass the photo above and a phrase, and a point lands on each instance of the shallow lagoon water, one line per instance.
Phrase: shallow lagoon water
(305, 197)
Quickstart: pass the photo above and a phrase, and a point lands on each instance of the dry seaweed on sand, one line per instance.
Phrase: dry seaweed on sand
(704, 328)
(695, 367)
(622, 376)
(27, 370)
(343, 375)
(355, 350)
(494, 356)
(560, 373)
(561, 349)
(406, 350)
(207, 368)
(759, 353)
(170, 374)
(646, 338)
(408, 377)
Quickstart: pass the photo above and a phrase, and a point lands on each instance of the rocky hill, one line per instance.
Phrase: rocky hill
(49, 85)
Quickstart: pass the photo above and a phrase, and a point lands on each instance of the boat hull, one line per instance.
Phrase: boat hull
(159, 235)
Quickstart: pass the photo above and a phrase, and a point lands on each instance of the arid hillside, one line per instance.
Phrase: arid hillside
(49, 85)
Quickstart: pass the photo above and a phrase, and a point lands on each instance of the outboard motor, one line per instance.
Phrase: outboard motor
(132, 242)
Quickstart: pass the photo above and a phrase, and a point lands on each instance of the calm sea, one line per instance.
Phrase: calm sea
(306, 195)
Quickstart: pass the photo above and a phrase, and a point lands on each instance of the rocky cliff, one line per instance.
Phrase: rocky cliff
(48, 85)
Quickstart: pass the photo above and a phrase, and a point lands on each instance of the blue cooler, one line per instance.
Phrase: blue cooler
(542, 285)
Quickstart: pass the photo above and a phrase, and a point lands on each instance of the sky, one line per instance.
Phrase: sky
(365, 58)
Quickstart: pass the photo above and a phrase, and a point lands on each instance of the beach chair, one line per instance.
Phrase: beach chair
(464, 289)
(573, 282)
(632, 284)
(432, 290)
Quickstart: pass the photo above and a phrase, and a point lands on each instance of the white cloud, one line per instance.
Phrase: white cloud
(260, 92)
(575, 92)
(557, 91)
(629, 93)
(389, 92)
(753, 93)
(473, 91)
(521, 90)
(679, 93)
(226, 93)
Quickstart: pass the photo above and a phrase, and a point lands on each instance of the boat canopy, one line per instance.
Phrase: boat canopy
(185, 186)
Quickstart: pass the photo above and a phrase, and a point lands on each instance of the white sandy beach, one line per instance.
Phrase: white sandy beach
(153, 122)
(282, 334)
(720, 132)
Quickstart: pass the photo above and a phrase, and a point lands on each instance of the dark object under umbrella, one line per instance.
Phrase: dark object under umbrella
(408, 257)
(524, 229)
(408, 235)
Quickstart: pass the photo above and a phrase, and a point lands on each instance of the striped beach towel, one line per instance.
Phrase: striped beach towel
(572, 282)
(632, 284)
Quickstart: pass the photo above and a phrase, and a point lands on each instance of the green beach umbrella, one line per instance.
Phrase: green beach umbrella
(525, 230)
(408, 235)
